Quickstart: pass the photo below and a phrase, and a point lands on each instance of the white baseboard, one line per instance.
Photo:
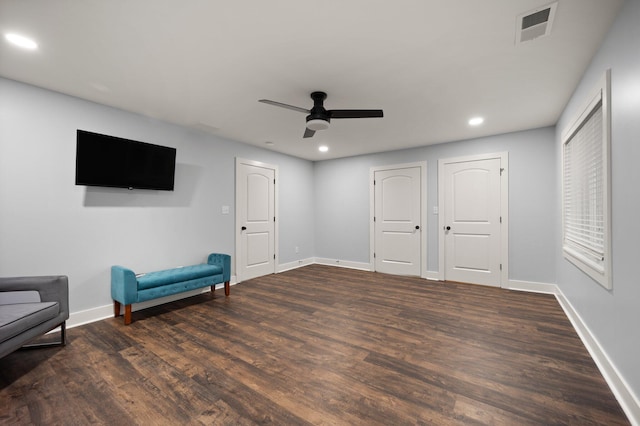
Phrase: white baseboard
(531, 287)
(90, 315)
(343, 263)
(626, 398)
(293, 265)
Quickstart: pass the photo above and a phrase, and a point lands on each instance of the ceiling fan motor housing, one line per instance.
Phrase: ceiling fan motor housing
(319, 118)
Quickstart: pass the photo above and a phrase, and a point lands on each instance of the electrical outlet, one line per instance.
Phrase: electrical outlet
(297, 249)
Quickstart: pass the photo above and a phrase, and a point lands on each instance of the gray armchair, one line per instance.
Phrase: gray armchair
(31, 307)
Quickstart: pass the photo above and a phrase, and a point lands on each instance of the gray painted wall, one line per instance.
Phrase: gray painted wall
(614, 316)
(342, 200)
(48, 225)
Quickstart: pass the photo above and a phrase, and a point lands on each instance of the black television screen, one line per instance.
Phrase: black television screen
(103, 160)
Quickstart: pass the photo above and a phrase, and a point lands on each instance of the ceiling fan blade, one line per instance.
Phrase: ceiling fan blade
(281, 105)
(308, 132)
(355, 113)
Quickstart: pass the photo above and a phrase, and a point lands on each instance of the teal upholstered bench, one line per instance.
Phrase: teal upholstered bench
(128, 288)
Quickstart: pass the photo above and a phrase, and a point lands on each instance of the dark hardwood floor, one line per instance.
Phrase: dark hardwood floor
(319, 345)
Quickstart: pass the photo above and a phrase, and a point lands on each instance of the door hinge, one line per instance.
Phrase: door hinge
(501, 266)
(501, 170)
(274, 256)
(274, 181)
(374, 255)
(274, 218)
(374, 181)
(374, 218)
(500, 219)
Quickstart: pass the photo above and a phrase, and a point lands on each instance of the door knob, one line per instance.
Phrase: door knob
(448, 228)
(417, 226)
(244, 228)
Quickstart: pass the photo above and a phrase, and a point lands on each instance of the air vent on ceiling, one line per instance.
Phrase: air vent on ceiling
(535, 23)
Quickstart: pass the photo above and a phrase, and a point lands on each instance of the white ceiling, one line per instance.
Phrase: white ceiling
(429, 64)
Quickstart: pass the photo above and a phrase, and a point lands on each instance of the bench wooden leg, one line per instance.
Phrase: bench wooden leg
(227, 288)
(213, 288)
(127, 314)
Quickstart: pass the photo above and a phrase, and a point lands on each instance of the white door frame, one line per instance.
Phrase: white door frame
(504, 210)
(238, 232)
(423, 212)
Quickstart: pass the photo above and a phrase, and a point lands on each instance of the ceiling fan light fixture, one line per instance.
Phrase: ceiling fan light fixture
(317, 124)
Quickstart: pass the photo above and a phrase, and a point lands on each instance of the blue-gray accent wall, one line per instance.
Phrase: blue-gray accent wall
(613, 316)
(342, 200)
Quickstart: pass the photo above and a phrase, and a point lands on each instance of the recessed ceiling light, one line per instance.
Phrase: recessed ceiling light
(21, 41)
(476, 121)
(323, 148)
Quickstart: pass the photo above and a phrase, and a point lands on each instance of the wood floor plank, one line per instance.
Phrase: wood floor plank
(319, 345)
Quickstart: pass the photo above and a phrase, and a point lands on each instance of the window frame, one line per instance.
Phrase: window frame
(601, 96)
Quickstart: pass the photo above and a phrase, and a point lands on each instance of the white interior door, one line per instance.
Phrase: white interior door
(472, 221)
(255, 214)
(397, 221)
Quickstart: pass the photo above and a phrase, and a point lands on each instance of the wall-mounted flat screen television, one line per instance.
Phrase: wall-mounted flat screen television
(103, 160)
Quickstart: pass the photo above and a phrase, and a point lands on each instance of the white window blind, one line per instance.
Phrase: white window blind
(585, 188)
(583, 191)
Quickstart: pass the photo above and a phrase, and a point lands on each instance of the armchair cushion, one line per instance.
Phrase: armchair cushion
(23, 316)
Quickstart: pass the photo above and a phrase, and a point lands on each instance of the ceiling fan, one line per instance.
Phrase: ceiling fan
(319, 117)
